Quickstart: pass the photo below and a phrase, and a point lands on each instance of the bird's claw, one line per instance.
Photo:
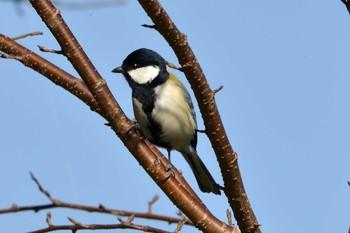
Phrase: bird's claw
(134, 125)
(169, 169)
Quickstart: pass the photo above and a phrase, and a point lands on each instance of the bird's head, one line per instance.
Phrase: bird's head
(143, 67)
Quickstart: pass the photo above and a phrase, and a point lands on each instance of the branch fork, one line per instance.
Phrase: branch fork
(95, 93)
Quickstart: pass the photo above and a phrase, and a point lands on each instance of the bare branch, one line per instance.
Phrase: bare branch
(149, 26)
(226, 156)
(151, 202)
(48, 219)
(36, 208)
(10, 56)
(79, 226)
(45, 192)
(26, 35)
(130, 219)
(201, 130)
(179, 192)
(55, 74)
(43, 49)
(76, 223)
(218, 89)
(180, 225)
(100, 209)
(229, 217)
(171, 65)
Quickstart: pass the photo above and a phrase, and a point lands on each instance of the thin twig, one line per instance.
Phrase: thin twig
(48, 219)
(229, 217)
(45, 192)
(10, 56)
(149, 26)
(36, 208)
(43, 49)
(76, 223)
(180, 225)
(151, 203)
(183, 216)
(130, 219)
(218, 89)
(100, 209)
(175, 67)
(79, 226)
(26, 35)
(201, 130)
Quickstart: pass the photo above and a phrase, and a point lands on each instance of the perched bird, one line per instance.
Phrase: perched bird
(164, 111)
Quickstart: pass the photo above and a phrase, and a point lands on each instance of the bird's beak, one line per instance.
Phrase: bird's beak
(118, 70)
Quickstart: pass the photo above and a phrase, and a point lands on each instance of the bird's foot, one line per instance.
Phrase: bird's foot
(134, 125)
(169, 169)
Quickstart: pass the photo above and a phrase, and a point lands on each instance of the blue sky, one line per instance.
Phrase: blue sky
(285, 106)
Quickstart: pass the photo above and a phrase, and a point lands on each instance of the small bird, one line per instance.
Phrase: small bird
(164, 110)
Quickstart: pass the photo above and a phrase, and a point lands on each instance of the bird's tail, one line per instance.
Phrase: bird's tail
(204, 179)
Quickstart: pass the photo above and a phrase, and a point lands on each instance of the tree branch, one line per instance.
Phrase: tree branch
(100, 209)
(347, 4)
(179, 193)
(76, 87)
(55, 74)
(227, 158)
(26, 35)
(79, 89)
(78, 226)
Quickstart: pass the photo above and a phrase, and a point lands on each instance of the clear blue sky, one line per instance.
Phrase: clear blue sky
(285, 70)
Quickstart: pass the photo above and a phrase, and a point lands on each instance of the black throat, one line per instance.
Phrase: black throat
(145, 94)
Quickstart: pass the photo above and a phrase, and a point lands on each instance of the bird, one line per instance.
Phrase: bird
(164, 111)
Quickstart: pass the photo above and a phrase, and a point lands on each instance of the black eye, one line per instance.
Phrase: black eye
(135, 66)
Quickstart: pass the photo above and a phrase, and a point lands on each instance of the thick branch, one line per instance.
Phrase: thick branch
(226, 157)
(178, 193)
(76, 87)
(63, 79)
(55, 74)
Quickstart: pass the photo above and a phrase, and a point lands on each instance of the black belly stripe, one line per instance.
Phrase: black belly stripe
(146, 96)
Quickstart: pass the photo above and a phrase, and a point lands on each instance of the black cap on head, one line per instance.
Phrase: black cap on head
(141, 58)
(155, 71)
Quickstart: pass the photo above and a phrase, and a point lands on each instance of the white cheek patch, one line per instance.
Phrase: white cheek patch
(145, 74)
